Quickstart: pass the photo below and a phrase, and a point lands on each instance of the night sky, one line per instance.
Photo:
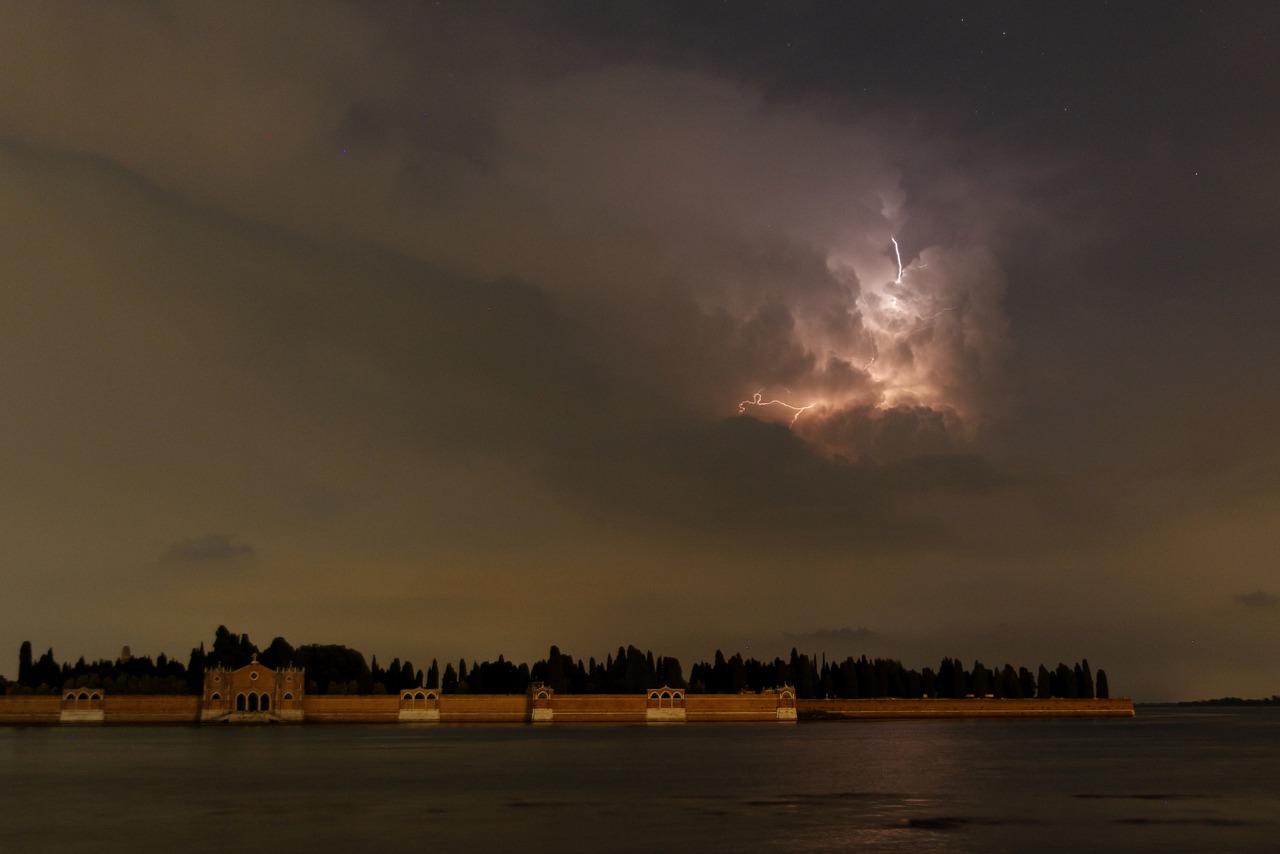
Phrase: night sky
(436, 330)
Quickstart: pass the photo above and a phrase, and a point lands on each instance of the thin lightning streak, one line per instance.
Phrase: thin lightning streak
(898, 253)
(757, 399)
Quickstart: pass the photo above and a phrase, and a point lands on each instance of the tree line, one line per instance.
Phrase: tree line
(865, 678)
(337, 669)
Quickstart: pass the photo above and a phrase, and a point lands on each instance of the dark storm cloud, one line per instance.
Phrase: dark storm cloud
(207, 549)
(743, 484)
(1257, 599)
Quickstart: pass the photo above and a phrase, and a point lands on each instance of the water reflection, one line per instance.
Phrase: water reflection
(1171, 781)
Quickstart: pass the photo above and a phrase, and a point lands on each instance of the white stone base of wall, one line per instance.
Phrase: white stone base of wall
(664, 716)
(786, 714)
(541, 716)
(250, 718)
(420, 715)
(81, 716)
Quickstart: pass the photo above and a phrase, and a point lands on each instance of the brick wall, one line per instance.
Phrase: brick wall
(484, 708)
(704, 708)
(30, 710)
(351, 708)
(151, 708)
(599, 708)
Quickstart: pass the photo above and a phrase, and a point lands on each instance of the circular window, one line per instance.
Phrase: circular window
(288, 679)
(217, 679)
(253, 676)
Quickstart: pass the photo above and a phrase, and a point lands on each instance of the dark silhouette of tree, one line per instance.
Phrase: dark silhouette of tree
(1010, 684)
(196, 665)
(946, 678)
(279, 653)
(463, 686)
(336, 668)
(980, 681)
(1065, 682)
(670, 672)
(1084, 680)
(1103, 690)
(1028, 682)
(928, 683)
(449, 684)
(1044, 683)
(230, 650)
(46, 673)
(25, 666)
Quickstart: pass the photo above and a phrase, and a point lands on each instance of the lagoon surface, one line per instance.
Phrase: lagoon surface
(1169, 779)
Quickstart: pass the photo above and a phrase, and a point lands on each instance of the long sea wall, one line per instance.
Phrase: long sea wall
(558, 708)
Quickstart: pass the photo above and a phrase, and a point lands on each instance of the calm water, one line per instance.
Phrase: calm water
(1166, 780)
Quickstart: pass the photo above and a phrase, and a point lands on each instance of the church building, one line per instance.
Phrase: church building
(252, 693)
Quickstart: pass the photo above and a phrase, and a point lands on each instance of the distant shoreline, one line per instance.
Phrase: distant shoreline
(1218, 702)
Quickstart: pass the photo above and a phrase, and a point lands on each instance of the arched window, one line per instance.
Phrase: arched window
(253, 702)
(216, 696)
(407, 696)
(71, 696)
(420, 696)
(288, 695)
(266, 703)
(677, 695)
(542, 695)
(240, 703)
(95, 696)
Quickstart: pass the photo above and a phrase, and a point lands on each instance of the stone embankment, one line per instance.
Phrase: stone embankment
(544, 706)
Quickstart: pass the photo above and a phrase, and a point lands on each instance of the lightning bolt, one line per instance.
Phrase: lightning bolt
(757, 399)
(898, 254)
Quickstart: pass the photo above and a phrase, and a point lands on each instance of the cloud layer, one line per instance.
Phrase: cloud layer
(466, 313)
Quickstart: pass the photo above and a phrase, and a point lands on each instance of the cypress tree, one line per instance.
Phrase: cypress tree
(1066, 679)
(1084, 682)
(24, 665)
(449, 683)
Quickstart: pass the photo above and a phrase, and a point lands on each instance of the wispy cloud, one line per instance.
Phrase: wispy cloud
(1257, 599)
(210, 547)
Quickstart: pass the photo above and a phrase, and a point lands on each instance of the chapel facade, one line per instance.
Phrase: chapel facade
(253, 692)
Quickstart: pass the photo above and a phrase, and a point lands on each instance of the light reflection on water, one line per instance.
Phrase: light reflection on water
(1177, 780)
